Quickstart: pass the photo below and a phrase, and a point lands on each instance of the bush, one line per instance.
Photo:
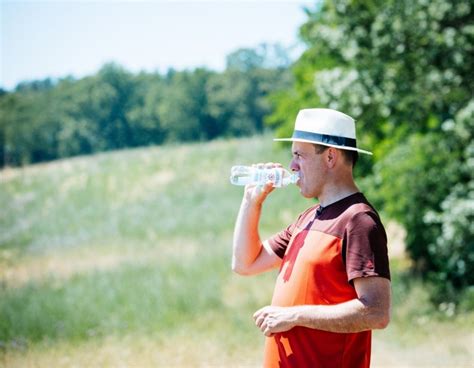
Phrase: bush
(453, 250)
(427, 184)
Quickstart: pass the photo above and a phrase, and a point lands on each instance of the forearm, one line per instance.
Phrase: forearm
(246, 243)
(348, 317)
(370, 310)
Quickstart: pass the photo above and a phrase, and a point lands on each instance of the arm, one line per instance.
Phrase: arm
(371, 310)
(249, 255)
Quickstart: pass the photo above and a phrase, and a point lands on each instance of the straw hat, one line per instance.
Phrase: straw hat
(325, 127)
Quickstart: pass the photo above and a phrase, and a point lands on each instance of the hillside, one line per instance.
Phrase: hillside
(123, 258)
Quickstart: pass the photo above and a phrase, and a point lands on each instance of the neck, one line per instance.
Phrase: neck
(335, 191)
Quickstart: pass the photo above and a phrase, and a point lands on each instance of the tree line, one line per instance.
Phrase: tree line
(114, 109)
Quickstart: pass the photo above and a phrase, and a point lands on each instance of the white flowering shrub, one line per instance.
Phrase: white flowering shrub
(404, 70)
(453, 250)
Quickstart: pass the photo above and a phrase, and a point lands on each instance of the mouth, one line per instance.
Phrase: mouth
(298, 183)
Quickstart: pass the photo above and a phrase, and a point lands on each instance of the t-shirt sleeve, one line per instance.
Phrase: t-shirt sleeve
(279, 242)
(365, 245)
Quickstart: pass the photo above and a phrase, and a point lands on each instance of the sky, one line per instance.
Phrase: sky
(41, 39)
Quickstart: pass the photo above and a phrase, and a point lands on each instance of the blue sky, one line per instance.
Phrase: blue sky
(41, 39)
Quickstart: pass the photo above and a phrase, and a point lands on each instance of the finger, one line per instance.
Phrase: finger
(267, 327)
(269, 165)
(259, 321)
(259, 312)
(268, 333)
(268, 187)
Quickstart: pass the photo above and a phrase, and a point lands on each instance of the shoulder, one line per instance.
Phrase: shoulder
(364, 229)
(361, 217)
(365, 221)
(361, 212)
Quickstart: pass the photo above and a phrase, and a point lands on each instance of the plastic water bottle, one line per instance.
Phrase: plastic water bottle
(244, 175)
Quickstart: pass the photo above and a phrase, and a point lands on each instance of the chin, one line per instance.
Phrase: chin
(305, 194)
(310, 194)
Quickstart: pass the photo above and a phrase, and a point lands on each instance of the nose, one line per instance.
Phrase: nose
(294, 166)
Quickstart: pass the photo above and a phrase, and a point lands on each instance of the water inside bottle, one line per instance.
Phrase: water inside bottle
(241, 175)
(244, 175)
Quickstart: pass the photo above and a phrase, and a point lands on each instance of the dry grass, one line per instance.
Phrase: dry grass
(435, 344)
(191, 348)
(62, 264)
(178, 350)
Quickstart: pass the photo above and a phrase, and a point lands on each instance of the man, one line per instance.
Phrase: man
(333, 286)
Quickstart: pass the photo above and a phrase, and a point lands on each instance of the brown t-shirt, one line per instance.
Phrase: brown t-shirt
(322, 252)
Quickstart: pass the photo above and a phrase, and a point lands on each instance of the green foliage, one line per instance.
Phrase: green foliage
(453, 250)
(388, 54)
(183, 110)
(228, 90)
(114, 109)
(403, 69)
(287, 103)
(420, 173)
(264, 56)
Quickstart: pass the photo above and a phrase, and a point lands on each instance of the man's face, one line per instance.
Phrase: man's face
(311, 168)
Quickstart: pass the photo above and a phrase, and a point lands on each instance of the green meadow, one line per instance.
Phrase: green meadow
(123, 259)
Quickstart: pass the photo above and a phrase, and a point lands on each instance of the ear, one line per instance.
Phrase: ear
(332, 156)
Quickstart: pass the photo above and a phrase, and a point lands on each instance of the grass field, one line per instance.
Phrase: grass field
(123, 260)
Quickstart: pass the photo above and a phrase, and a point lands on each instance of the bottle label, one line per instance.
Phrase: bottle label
(259, 177)
(276, 177)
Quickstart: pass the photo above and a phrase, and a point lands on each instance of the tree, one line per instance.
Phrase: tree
(239, 97)
(183, 109)
(28, 125)
(403, 70)
(264, 56)
(117, 87)
(143, 116)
